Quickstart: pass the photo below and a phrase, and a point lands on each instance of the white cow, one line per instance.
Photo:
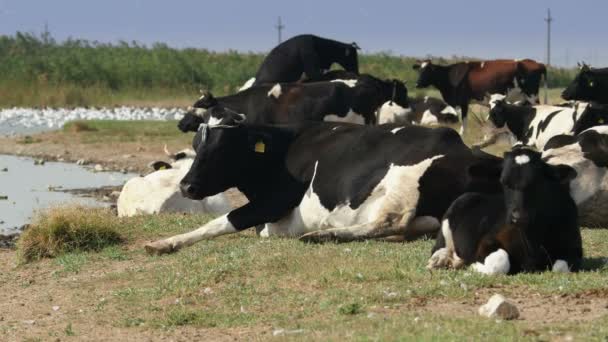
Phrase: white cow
(158, 192)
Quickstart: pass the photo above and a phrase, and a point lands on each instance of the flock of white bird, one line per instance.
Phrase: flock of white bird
(31, 120)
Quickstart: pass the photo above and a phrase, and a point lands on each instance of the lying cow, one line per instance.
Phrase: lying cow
(431, 111)
(305, 54)
(158, 192)
(355, 101)
(587, 153)
(460, 83)
(327, 181)
(534, 126)
(590, 85)
(531, 226)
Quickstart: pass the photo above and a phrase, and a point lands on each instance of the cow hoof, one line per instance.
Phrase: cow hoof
(318, 237)
(159, 248)
(439, 259)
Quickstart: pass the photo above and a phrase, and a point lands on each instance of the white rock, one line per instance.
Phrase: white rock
(55, 308)
(499, 307)
(98, 168)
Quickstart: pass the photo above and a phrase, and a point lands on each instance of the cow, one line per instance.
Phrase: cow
(531, 226)
(352, 100)
(587, 153)
(462, 82)
(590, 85)
(330, 181)
(304, 54)
(534, 126)
(159, 192)
(431, 111)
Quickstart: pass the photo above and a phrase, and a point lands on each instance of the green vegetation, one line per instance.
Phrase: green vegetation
(60, 230)
(364, 290)
(38, 71)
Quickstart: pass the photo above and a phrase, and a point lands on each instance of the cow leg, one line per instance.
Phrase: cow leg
(423, 226)
(464, 110)
(214, 228)
(390, 225)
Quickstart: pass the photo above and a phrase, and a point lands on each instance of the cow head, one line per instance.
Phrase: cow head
(226, 156)
(498, 107)
(524, 177)
(593, 115)
(584, 87)
(427, 74)
(398, 106)
(349, 59)
(193, 118)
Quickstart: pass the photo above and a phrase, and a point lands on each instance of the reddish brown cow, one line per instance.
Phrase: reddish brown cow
(462, 82)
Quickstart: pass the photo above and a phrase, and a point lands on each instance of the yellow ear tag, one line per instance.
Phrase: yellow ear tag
(162, 167)
(591, 84)
(260, 147)
(600, 121)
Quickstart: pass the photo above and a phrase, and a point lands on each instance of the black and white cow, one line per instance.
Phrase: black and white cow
(431, 111)
(534, 126)
(305, 54)
(531, 226)
(590, 84)
(352, 100)
(328, 181)
(587, 153)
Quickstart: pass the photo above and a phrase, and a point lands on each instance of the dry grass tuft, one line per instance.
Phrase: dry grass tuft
(79, 126)
(64, 229)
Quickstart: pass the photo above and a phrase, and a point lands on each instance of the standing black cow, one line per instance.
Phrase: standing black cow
(308, 54)
(330, 180)
(590, 85)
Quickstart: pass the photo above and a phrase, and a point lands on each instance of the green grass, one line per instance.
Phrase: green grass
(57, 231)
(364, 290)
(38, 71)
(112, 131)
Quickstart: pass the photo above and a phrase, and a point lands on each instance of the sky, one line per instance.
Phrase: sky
(476, 28)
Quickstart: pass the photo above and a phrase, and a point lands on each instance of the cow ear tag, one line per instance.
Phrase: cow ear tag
(600, 121)
(591, 84)
(162, 167)
(259, 147)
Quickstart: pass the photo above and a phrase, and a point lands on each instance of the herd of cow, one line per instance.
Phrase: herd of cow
(341, 156)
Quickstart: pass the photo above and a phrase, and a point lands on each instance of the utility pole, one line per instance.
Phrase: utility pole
(280, 28)
(548, 19)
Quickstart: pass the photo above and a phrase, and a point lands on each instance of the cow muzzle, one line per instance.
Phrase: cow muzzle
(188, 190)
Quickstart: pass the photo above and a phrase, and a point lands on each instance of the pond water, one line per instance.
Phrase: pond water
(24, 187)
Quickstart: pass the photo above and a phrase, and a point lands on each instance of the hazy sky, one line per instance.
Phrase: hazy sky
(479, 28)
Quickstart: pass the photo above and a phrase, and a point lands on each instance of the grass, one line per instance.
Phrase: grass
(364, 290)
(59, 230)
(112, 131)
(39, 71)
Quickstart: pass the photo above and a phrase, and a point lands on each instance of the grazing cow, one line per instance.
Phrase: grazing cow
(530, 226)
(159, 192)
(305, 54)
(589, 85)
(534, 126)
(354, 101)
(462, 82)
(329, 180)
(587, 153)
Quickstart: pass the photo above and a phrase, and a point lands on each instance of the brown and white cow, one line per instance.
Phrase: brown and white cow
(462, 82)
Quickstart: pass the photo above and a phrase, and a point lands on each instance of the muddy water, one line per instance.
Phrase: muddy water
(25, 187)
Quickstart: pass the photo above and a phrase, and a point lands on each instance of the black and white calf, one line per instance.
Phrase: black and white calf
(342, 100)
(532, 226)
(328, 181)
(305, 54)
(587, 153)
(534, 126)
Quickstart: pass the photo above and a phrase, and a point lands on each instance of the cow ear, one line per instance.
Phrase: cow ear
(416, 66)
(457, 73)
(561, 173)
(159, 165)
(355, 46)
